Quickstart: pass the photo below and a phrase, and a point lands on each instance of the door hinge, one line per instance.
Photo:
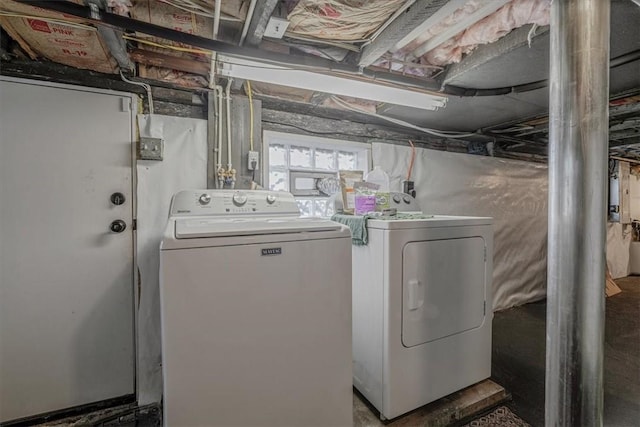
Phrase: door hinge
(134, 224)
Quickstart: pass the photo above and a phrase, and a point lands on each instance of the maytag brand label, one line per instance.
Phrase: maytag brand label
(272, 251)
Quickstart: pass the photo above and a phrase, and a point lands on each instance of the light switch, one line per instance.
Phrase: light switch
(151, 148)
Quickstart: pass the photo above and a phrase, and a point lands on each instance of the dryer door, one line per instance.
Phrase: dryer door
(443, 290)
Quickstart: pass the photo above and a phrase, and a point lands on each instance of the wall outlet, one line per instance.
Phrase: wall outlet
(151, 148)
(408, 188)
(276, 27)
(253, 160)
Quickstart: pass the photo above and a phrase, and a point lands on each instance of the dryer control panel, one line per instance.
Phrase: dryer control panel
(403, 202)
(233, 203)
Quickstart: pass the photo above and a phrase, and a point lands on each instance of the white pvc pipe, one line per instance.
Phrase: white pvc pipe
(218, 91)
(216, 19)
(218, 118)
(216, 27)
(228, 95)
(247, 21)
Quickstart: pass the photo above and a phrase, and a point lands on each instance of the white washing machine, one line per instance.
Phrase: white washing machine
(256, 313)
(421, 308)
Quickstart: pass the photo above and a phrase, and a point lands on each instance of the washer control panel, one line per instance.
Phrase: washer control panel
(233, 202)
(204, 199)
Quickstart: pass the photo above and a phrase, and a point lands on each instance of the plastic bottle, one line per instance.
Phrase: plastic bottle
(379, 177)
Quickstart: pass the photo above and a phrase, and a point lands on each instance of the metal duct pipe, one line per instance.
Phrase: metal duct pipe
(578, 143)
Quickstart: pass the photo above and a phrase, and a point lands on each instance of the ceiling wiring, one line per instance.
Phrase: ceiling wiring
(146, 87)
(413, 158)
(166, 46)
(190, 6)
(434, 132)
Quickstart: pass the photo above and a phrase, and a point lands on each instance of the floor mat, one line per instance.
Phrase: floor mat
(499, 417)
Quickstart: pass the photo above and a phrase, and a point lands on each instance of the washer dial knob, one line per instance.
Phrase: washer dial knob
(406, 199)
(239, 198)
(204, 199)
(271, 199)
(396, 198)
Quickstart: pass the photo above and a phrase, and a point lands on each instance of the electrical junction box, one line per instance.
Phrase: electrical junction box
(253, 161)
(619, 197)
(276, 27)
(151, 148)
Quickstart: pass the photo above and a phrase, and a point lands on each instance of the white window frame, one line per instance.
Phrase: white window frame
(362, 150)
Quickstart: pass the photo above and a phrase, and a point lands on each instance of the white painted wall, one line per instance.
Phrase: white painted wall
(515, 194)
(184, 166)
(634, 194)
(618, 249)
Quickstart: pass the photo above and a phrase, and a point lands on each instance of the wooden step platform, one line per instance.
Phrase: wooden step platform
(464, 404)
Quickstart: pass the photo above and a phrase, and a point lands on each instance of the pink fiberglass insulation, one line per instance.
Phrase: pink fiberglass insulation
(460, 14)
(512, 15)
(120, 7)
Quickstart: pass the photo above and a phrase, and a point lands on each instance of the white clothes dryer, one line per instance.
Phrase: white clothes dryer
(421, 309)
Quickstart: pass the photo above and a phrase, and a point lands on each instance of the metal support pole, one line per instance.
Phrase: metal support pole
(578, 148)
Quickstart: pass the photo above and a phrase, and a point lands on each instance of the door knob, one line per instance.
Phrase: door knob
(118, 198)
(118, 226)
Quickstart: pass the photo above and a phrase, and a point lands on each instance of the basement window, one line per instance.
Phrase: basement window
(307, 166)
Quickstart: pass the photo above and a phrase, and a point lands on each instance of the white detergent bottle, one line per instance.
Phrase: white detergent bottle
(379, 177)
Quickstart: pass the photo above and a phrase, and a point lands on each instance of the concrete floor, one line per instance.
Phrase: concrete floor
(519, 357)
(129, 415)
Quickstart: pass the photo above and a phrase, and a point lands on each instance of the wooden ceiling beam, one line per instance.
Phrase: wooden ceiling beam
(157, 59)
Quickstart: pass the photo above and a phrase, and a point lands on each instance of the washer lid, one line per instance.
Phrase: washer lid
(249, 226)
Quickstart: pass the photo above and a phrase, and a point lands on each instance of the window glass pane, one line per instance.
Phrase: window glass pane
(304, 184)
(325, 159)
(347, 161)
(306, 207)
(300, 157)
(277, 155)
(323, 207)
(278, 180)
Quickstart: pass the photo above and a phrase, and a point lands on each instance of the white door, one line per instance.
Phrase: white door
(443, 289)
(66, 279)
